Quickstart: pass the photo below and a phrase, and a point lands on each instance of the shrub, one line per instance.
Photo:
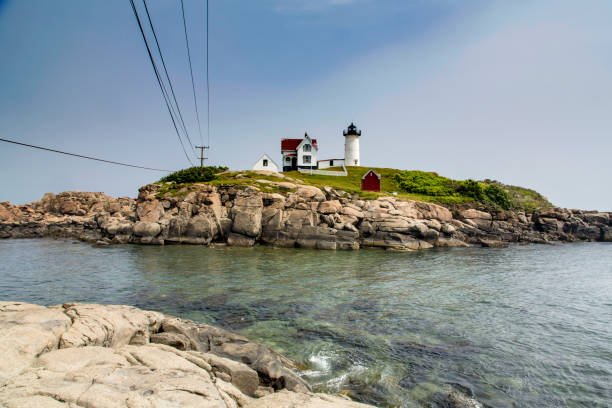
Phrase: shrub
(420, 182)
(430, 184)
(473, 189)
(498, 195)
(193, 174)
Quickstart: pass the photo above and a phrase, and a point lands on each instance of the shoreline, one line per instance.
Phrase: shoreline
(298, 216)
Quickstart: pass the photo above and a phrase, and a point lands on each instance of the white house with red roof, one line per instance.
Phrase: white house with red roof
(299, 153)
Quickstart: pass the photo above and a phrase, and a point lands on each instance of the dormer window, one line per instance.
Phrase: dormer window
(307, 148)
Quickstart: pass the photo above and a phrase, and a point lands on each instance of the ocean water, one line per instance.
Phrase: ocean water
(525, 326)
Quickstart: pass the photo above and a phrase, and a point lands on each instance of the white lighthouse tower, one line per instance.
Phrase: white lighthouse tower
(351, 146)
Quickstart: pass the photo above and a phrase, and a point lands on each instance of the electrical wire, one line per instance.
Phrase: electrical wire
(195, 101)
(207, 77)
(80, 155)
(159, 81)
(161, 55)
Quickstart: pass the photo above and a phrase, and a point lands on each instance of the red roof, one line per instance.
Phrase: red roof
(292, 144)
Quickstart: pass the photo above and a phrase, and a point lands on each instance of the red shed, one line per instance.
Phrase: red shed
(370, 181)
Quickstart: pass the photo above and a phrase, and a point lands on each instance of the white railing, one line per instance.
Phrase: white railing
(342, 173)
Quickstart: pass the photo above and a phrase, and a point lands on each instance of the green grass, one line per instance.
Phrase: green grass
(428, 187)
(524, 198)
(352, 184)
(173, 189)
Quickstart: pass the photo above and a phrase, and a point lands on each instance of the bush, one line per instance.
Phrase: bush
(193, 175)
(420, 182)
(498, 195)
(473, 189)
(430, 184)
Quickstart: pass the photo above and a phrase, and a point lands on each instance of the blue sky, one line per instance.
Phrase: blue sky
(518, 91)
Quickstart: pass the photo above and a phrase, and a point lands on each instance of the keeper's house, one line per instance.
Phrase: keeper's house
(299, 153)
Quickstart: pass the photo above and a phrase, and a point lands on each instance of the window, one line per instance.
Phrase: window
(355, 162)
(265, 163)
(288, 159)
(306, 159)
(307, 148)
(331, 163)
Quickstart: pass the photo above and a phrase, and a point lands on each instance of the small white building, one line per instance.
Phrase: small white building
(266, 163)
(326, 164)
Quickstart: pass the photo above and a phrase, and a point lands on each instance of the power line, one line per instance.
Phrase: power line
(207, 79)
(195, 101)
(80, 155)
(161, 55)
(159, 81)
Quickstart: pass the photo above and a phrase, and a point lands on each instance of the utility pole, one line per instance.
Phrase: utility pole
(202, 154)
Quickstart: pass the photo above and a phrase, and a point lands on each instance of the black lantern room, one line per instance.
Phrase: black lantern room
(352, 130)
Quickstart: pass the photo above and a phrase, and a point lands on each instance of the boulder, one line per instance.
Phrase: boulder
(352, 211)
(272, 366)
(433, 211)
(473, 214)
(330, 207)
(200, 230)
(6, 215)
(444, 242)
(434, 224)
(247, 222)
(176, 340)
(273, 200)
(311, 193)
(296, 219)
(116, 226)
(448, 229)
(240, 375)
(150, 211)
(108, 325)
(597, 218)
(240, 240)
(493, 243)
(247, 215)
(147, 229)
(286, 186)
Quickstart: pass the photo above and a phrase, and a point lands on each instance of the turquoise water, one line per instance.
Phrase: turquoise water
(525, 326)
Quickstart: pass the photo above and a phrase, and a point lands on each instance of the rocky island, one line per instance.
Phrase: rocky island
(248, 208)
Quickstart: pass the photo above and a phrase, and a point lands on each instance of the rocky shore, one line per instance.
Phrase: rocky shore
(292, 215)
(97, 356)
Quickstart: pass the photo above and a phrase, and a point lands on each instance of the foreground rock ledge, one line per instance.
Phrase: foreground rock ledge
(94, 356)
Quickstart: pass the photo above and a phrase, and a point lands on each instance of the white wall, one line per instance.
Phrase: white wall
(259, 165)
(301, 153)
(325, 164)
(351, 150)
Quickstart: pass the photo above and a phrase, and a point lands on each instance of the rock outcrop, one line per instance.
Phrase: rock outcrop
(95, 356)
(302, 216)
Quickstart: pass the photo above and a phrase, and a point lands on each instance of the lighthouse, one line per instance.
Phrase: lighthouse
(351, 146)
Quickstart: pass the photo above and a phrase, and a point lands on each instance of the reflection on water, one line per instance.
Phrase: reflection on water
(522, 326)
